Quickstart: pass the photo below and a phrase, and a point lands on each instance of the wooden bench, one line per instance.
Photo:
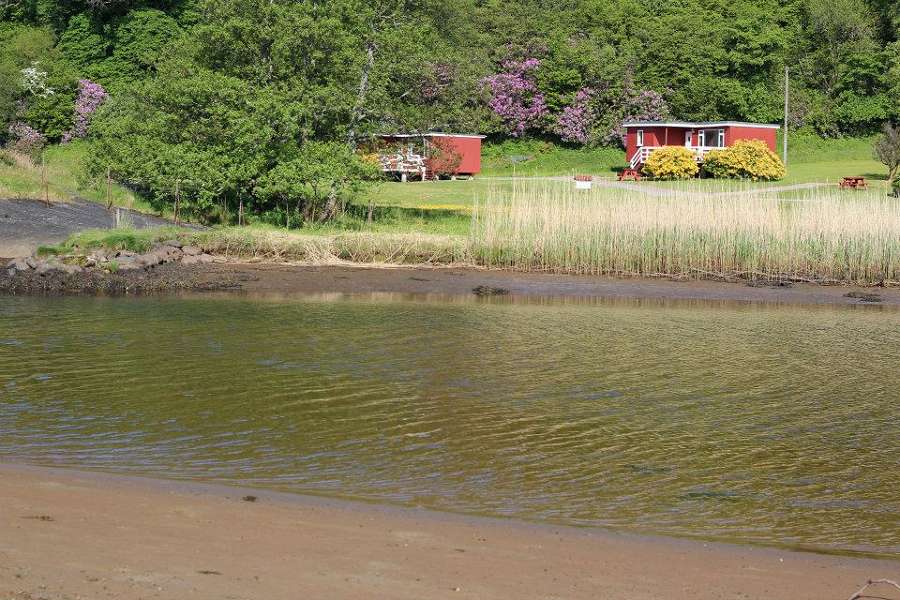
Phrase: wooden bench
(854, 183)
(629, 174)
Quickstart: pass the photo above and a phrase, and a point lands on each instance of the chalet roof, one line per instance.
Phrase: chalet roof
(699, 124)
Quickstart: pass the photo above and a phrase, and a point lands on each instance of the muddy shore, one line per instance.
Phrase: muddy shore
(68, 534)
(287, 280)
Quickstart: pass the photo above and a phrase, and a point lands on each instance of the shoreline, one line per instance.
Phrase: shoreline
(141, 536)
(289, 279)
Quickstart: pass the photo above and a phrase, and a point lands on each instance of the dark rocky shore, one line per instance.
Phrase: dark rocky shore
(171, 266)
(167, 266)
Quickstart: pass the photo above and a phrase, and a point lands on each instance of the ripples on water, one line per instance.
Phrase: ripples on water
(749, 423)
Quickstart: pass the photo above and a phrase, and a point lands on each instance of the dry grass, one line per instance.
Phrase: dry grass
(824, 235)
(352, 247)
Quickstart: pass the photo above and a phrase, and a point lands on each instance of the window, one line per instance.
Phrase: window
(640, 137)
(689, 138)
(714, 138)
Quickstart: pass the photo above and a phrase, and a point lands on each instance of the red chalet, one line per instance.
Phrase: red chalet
(643, 137)
(430, 155)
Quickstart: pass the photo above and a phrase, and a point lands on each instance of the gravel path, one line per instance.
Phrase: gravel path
(27, 224)
(652, 190)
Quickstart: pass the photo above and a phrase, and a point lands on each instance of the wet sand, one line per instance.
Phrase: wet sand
(286, 280)
(69, 534)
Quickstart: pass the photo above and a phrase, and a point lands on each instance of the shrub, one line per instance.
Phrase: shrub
(746, 159)
(671, 162)
(26, 140)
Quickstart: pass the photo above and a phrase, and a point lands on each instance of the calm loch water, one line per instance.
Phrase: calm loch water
(777, 425)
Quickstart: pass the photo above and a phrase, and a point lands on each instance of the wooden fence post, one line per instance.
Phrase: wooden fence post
(44, 184)
(108, 188)
(177, 198)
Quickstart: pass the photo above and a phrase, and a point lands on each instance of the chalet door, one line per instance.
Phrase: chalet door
(688, 137)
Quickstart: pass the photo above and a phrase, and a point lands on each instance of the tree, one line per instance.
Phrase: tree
(314, 179)
(207, 132)
(887, 150)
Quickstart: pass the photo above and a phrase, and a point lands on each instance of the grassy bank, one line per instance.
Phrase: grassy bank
(822, 235)
(21, 177)
(272, 245)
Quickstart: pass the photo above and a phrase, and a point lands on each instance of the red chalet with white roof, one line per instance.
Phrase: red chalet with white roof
(643, 137)
(430, 155)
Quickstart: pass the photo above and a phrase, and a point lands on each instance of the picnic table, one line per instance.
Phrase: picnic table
(854, 183)
(631, 174)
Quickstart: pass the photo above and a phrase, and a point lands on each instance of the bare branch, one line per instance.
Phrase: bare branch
(862, 590)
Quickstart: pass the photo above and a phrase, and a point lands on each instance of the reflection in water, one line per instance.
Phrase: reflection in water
(741, 422)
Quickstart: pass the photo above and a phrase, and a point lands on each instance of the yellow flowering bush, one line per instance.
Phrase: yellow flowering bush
(746, 159)
(671, 162)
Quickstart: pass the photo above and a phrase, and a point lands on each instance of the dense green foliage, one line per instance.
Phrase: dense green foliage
(219, 99)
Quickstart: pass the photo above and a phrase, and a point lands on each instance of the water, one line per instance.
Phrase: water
(774, 425)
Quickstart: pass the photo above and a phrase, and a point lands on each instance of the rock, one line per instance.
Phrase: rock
(11, 272)
(192, 250)
(48, 266)
(189, 259)
(128, 264)
(486, 290)
(70, 269)
(31, 261)
(124, 253)
(173, 244)
(219, 259)
(205, 259)
(153, 258)
(19, 264)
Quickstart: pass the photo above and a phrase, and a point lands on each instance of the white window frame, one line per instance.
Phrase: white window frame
(720, 138)
(640, 137)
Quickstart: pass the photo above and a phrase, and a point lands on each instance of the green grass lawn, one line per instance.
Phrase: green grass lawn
(20, 178)
(537, 158)
(810, 160)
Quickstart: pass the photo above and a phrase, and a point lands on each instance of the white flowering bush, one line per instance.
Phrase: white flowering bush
(35, 81)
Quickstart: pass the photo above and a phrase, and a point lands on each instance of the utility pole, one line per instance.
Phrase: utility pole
(787, 92)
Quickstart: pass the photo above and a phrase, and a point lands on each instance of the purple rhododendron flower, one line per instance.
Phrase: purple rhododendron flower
(574, 124)
(515, 97)
(90, 96)
(637, 105)
(28, 140)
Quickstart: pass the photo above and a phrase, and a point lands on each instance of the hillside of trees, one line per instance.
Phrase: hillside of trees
(263, 102)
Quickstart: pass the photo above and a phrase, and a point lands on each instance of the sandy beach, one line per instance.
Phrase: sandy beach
(69, 534)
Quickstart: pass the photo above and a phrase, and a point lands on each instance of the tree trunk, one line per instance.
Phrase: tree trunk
(330, 204)
(361, 93)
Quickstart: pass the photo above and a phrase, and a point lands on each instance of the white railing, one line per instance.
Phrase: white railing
(643, 153)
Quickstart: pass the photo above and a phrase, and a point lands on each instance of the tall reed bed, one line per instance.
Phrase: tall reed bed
(822, 234)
